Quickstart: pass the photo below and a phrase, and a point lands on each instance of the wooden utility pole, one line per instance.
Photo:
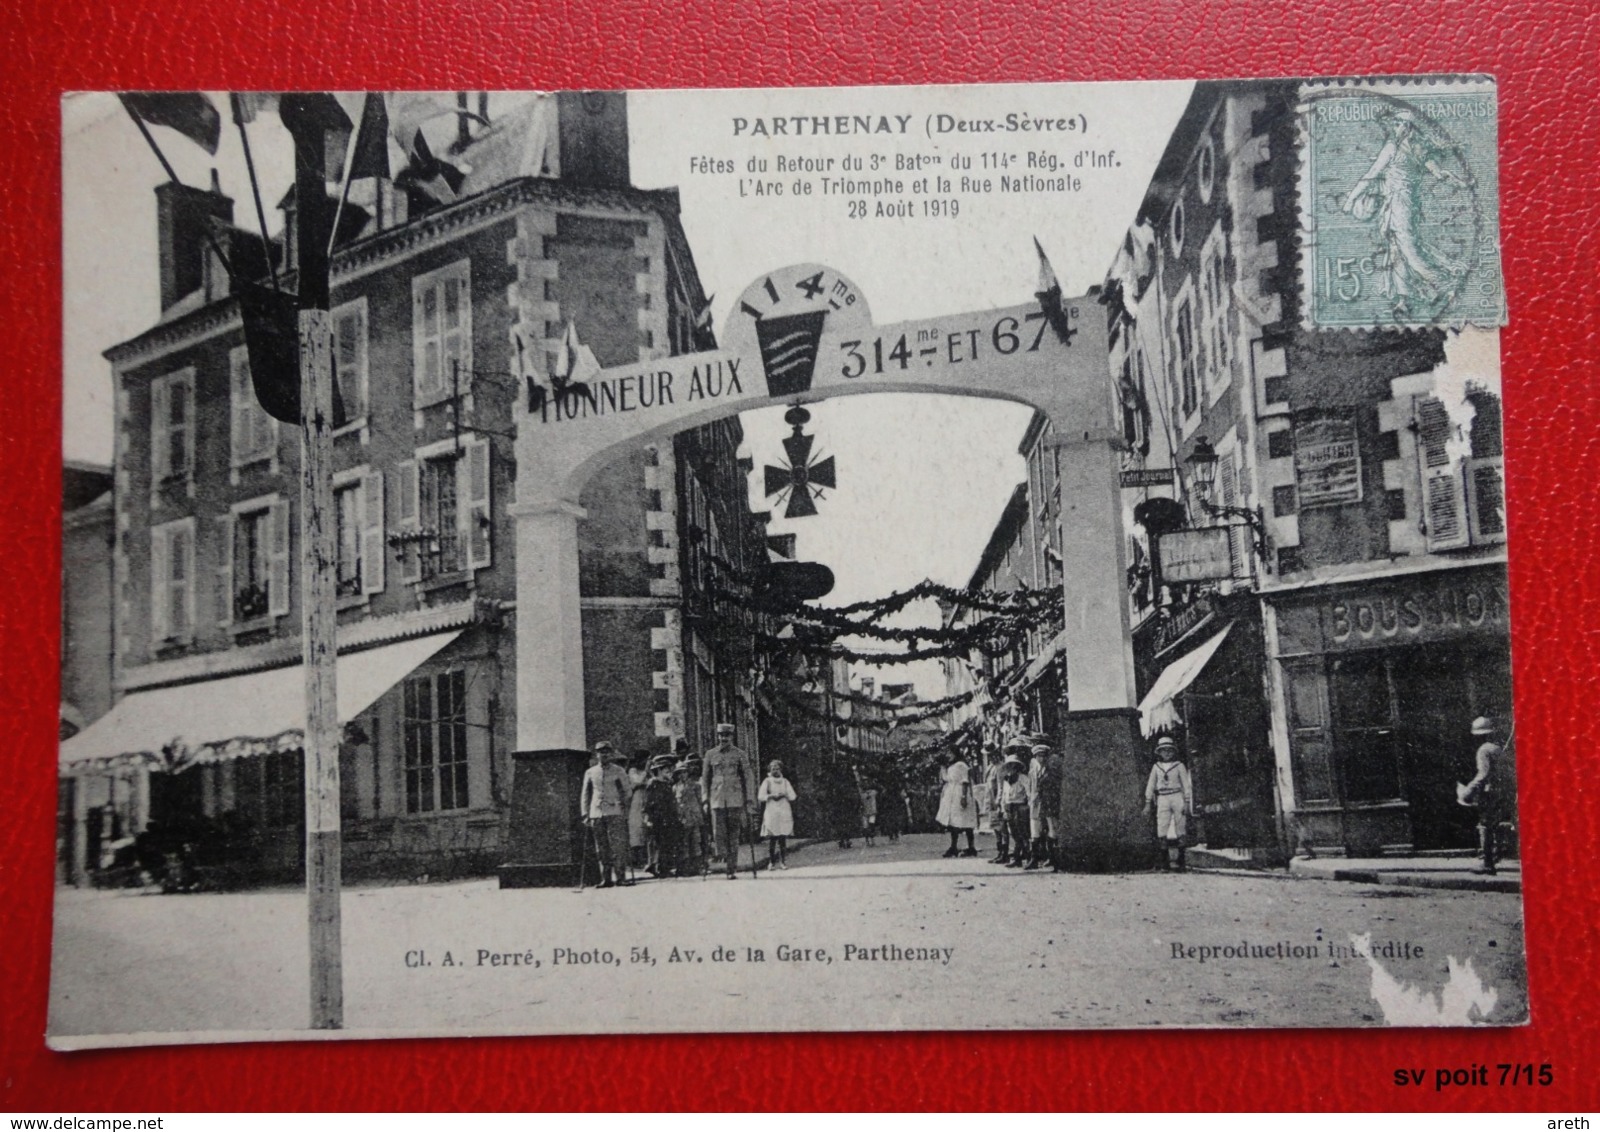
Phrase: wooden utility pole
(308, 120)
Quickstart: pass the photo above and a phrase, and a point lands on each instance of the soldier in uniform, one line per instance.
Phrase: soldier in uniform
(603, 803)
(729, 792)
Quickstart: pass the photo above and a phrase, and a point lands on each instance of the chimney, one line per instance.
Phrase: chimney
(593, 128)
(186, 260)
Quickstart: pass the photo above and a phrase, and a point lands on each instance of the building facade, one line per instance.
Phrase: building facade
(447, 306)
(1341, 563)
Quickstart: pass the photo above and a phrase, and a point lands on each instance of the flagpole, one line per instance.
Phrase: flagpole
(236, 103)
(172, 176)
(303, 117)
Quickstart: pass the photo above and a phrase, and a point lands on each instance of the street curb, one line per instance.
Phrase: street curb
(1466, 882)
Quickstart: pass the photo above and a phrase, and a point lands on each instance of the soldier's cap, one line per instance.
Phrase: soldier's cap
(661, 761)
(1483, 725)
(1042, 748)
(604, 748)
(724, 729)
(1166, 743)
(1018, 743)
(1012, 760)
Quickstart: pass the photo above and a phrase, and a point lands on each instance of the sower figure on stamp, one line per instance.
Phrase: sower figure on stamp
(1492, 790)
(1170, 793)
(728, 793)
(603, 803)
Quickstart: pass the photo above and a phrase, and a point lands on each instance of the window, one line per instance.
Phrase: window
(1206, 168)
(347, 536)
(436, 742)
(1176, 228)
(1214, 314)
(1461, 471)
(253, 563)
(358, 533)
(350, 360)
(441, 331)
(172, 582)
(444, 505)
(1188, 390)
(255, 434)
(172, 426)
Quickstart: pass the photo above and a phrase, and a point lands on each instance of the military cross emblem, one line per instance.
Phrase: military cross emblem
(803, 478)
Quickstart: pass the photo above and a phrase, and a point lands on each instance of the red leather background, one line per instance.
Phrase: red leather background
(1544, 55)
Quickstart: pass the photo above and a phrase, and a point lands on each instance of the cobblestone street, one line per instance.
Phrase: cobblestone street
(865, 938)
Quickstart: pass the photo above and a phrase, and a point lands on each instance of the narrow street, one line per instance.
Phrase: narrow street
(1015, 949)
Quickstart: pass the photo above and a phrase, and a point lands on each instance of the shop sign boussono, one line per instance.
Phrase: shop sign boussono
(1201, 555)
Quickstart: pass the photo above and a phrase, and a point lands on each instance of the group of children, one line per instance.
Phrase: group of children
(661, 803)
(1024, 803)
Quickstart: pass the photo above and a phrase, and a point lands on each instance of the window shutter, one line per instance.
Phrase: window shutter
(350, 360)
(372, 534)
(476, 515)
(181, 551)
(160, 596)
(1228, 486)
(1486, 498)
(160, 420)
(224, 587)
(243, 426)
(183, 400)
(411, 563)
(1444, 503)
(278, 561)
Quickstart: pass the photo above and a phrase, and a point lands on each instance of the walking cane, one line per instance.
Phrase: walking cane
(583, 856)
(751, 831)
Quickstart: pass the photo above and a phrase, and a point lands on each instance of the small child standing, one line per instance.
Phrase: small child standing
(777, 816)
(1169, 791)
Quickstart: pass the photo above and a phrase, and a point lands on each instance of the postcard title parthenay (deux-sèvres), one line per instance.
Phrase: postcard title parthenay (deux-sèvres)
(901, 166)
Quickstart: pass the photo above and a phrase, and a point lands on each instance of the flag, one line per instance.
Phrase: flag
(369, 153)
(1047, 275)
(1049, 296)
(188, 112)
(247, 105)
(431, 175)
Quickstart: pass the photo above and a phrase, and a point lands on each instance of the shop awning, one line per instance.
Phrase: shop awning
(234, 716)
(1158, 711)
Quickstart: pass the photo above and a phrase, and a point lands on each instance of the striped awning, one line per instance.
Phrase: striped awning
(234, 716)
(1158, 711)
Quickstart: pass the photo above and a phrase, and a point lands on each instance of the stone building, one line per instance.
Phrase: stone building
(447, 303)
(1321, 645)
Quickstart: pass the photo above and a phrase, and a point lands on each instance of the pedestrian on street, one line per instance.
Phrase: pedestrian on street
(1169, 792)
(603, 804)
(728, 794)
(638, 837)
(691, 814)
(869, 813)
(1014, 804)
(1044, 806)
(958, 811)
(1493, 790)
(777, 816)
(992, 778)
(661, 818)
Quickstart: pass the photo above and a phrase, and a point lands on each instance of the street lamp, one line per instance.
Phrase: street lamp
(1203, 476)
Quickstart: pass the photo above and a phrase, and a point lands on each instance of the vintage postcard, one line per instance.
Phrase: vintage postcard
(744, 560)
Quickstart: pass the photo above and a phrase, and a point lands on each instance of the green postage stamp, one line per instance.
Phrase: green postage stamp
(1399, 213)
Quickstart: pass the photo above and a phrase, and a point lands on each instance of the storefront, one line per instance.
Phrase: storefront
(422, 780)
(1376, 685)
(1207, 695)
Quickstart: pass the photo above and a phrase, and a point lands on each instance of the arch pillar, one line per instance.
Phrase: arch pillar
(1103, 755)
(545, 839)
